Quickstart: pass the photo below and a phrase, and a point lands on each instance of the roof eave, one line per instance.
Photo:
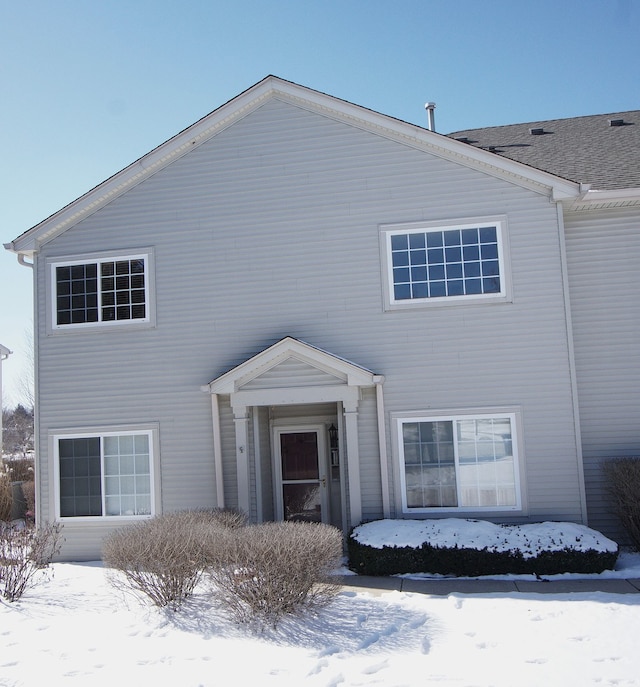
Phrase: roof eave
(434, 143)
(618, 197)
(159, 157)
(409, 134)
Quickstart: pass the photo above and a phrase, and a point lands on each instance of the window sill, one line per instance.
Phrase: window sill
(446, 302)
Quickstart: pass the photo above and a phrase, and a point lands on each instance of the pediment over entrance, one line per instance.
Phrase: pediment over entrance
(294, 373)
(291, 364)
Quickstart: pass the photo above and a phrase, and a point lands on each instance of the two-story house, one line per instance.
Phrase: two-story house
(306, 309)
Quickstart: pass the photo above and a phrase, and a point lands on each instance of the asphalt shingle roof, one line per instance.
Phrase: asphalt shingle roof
(583, 149)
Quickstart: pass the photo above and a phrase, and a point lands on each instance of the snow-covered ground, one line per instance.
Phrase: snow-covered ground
(75, 629)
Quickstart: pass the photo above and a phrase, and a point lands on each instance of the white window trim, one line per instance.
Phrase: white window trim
(146, 254)
(154, 464)
(514, 414)
(389, 230)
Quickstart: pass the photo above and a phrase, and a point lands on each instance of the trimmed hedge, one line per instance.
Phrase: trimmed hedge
(164, 558)
(268, 571)
(470, 562)
(258, 573)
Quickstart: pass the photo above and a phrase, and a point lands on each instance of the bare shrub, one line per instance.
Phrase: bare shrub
(163, 558)
(6, 498)
(29, 492)
(24, 553)
(265, 572)
(216, 518)
(20, 469)
(623, 481)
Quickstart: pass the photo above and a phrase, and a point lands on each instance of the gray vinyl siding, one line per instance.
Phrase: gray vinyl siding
(271, 229)
(603, 254)
(370, 476)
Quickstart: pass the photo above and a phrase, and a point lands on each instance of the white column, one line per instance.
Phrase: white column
(353, 461)
(217, 451)
(257, 463)
(382, 443)
(241, 421)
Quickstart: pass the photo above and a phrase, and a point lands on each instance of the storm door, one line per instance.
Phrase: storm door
(302, 489)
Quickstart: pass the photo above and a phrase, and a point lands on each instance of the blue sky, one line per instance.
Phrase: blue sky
(88, 86)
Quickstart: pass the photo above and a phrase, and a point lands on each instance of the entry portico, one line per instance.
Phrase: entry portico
(293, 379)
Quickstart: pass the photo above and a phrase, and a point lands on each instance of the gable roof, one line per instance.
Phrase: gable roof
(292, 371)
(600, 150)
(315, 101)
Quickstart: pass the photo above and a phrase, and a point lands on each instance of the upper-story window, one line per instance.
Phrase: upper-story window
(429, 264)
(99, 291)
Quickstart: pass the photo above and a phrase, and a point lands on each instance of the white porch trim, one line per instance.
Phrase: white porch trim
(217, 451)
(241, 422)
(339, 381)
(353, 463)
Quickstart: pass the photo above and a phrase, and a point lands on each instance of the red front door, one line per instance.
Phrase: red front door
(302, 482)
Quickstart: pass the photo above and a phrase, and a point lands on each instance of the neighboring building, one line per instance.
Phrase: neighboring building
(602, 237)
(303, 308)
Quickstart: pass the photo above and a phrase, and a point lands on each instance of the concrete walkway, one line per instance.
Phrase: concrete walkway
(442, 587)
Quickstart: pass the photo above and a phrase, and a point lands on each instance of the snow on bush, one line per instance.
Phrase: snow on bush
(529, 539)
(473, 547)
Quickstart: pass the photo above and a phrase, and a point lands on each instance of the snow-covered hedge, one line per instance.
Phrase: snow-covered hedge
(474, 547)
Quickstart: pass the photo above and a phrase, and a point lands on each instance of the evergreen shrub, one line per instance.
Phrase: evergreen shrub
(470, 562)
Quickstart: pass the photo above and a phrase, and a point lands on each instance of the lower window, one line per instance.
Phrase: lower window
(459, 463)
(105, 475)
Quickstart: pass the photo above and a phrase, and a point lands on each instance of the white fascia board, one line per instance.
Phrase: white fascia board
(233, 380)
(240, 106)
(294, 396)
(428, 141)
(177, 146)
(607, 198)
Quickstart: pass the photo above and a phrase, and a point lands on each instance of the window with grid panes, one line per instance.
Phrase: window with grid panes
(459, 463)
(105, 475)
(430, 264)
(108, 290)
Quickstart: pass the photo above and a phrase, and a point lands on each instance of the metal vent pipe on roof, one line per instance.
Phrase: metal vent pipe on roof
(431, 119)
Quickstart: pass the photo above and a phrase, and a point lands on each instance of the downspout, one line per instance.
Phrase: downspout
(572, 363)
(382, 444)
(22, 260)
(36, 389)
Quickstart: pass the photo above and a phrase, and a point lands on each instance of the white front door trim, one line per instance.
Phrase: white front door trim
(321, 433)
